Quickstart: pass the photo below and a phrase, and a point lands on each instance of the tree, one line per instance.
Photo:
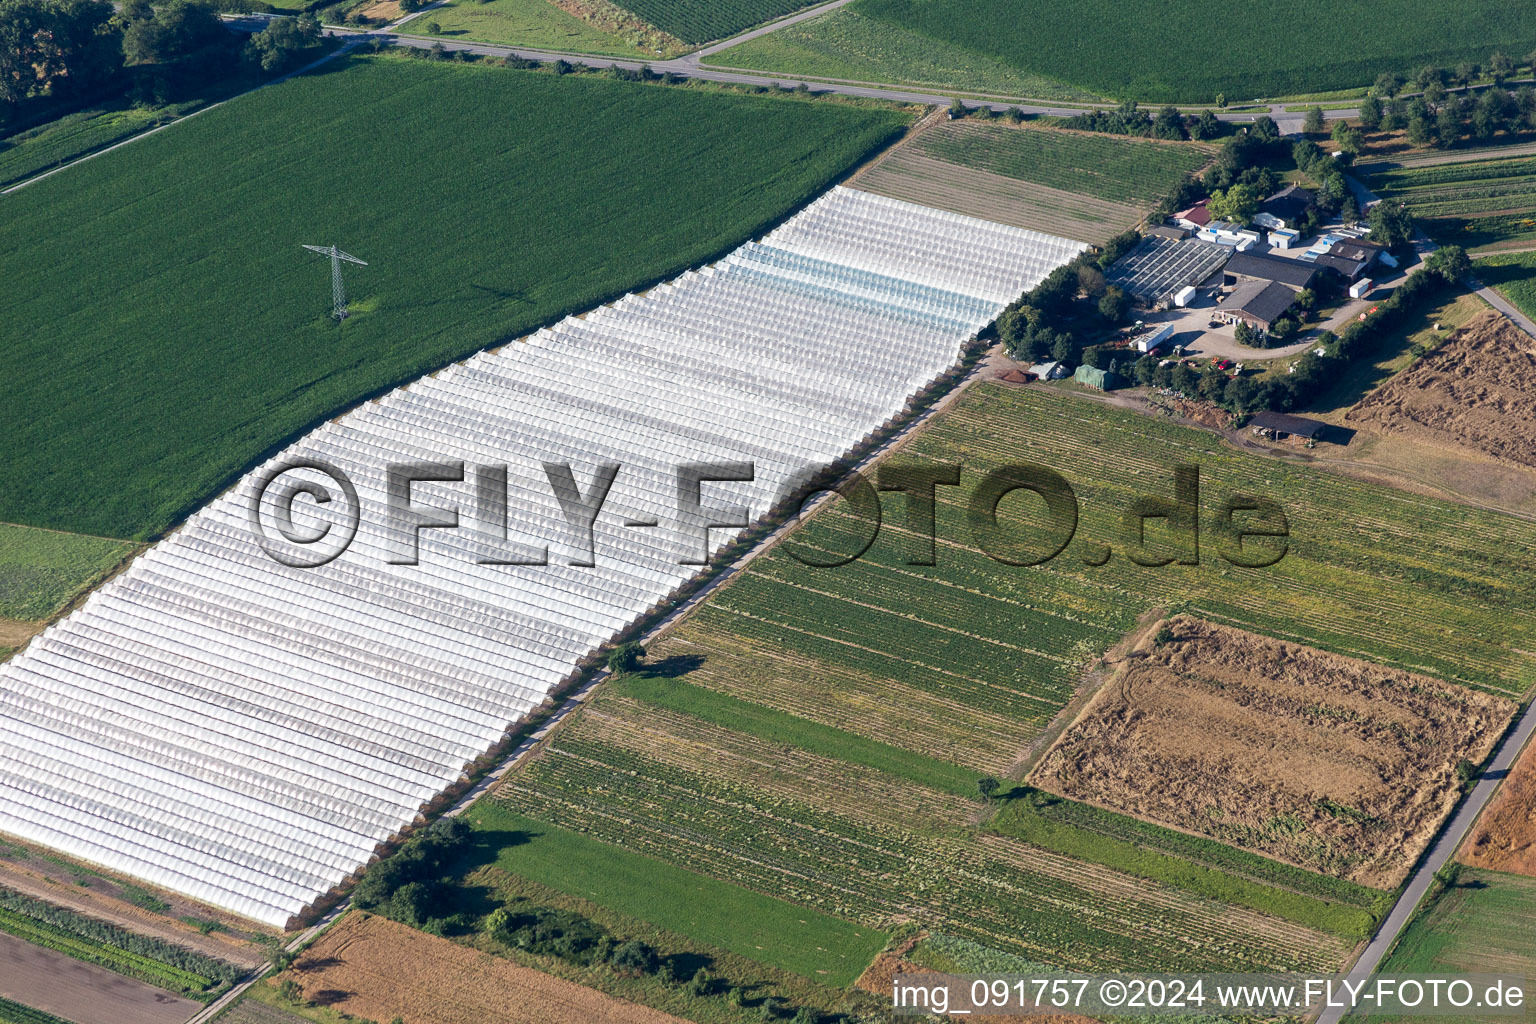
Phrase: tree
(1305, 153)
(55, 47)
(1349, 209)
(275, 45)
(1347, 139)
(1465, 73)
(1314, 121)
(1114, 304)
(1391, 225)
(1500, 67)
(1427, 75)
(1394, 115)
(1370, 113)
(987, 786)
(956, 109)
(1169, 124)
(626, 657)
(171, 32)
(1421, 132)
(1450, 262)
(634, 956)
(432, 28)
(1206, 126)
(1530, 61)
(701, 984)
(1265, 129)
(1247, 335)
(1434, 94)
(1238, 203)
(1221, 97)
(1388, 83)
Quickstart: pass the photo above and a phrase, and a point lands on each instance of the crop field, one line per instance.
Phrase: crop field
(675, 897)
(1484, 923)
(1087, 187)
(847, 44)
(41, 570)
(1107, 47)
(1504, 838)
(1474, 394)
(196, 338)
(647, 779)
(1322, 761)
(541, 24)
(27, 153)
(16, 1013)
(701, 21)
(1474, 204)
(1514, 275)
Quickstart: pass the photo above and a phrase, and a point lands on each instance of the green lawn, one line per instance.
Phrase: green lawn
(1113, 168)
(1514, 275)
(780, 727)
(41, 571)
(536, 23)
(848, 44)
(164, 328)
(759, 927)
(1484, 923)
(1187, 51)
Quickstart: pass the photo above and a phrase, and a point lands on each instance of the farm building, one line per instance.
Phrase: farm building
(1176, 234)
(1257, 267)
(1257, 303)
(1350, 258)
(1194, 218)
(1158, 268)
(1099, 380)
(1282, 425)
(1284, 238)
(1153, 338)
(1054, 370)
(1286, 208)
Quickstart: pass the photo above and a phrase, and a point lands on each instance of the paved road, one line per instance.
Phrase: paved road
(1439, 853)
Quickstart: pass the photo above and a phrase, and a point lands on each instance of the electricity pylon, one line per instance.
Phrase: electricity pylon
(338, 293)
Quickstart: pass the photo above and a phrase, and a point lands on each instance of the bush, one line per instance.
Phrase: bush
(634, 956)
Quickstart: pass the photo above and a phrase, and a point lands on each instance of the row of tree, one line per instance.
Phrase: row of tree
(1168, 123)
(1501, 68)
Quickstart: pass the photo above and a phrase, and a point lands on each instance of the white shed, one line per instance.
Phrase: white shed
(1184, 296)
(1361, 288)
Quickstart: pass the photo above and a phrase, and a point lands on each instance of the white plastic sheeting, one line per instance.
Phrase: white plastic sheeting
(245, 733)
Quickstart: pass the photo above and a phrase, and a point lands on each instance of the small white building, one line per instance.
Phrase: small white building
(1184, 296)
(1050, 371)
(1361, 288)
(1283, 238)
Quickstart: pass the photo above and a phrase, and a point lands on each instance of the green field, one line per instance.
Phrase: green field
(37, 149)
(1514, 275)
(772, 931)
(848, 44)
(41, 571)
(1115, 169)
(536, 23)
(486, 201)
(1146, 52)
(1473, 204)
(700, 21)
(1483, 923)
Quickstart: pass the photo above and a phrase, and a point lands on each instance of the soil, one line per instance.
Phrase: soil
(15, 632)
(1320, 760)
(1505, 837)
(80, 992)
(377, 969)
(384, 10)
(1475, 394)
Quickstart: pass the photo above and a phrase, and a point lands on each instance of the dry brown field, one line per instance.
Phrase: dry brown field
(1505, 836)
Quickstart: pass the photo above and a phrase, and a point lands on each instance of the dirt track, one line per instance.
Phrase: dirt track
(1475, 394)
(1505, 838)
(374, 968)
(1324, 761)
(84, 993)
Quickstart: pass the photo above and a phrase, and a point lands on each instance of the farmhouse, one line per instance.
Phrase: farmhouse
(1282, 425)
(1257, 303)
(1256, 267)
(1286, 208)
(1194, 218)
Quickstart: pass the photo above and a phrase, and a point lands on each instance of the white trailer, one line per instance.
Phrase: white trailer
(1184, 296)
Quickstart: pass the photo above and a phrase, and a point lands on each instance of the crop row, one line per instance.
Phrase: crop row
(875, 871)
(700, 21)
(16, 1013)
(137, 956)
